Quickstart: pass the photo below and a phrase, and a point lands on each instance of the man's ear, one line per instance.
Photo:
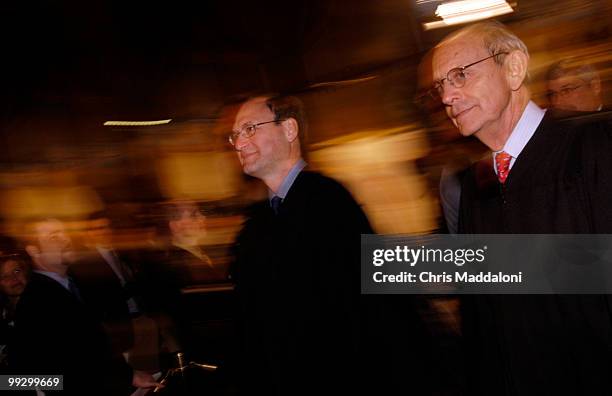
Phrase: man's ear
(33, 251)
(174, 228)
(516, 68)
(291, 129)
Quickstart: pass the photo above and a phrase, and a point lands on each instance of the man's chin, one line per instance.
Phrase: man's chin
(465, 131)
(69, 256)
(249, 169)
(246, 168)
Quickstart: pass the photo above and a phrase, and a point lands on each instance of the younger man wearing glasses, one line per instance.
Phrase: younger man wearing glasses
(297, 265)
(542, 177)
(297, 259)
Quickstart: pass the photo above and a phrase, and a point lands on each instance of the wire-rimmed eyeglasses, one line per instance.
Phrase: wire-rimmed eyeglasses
(456, 77)
(563, 91)
(247, 131)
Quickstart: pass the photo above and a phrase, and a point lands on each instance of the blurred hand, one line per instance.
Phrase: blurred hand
(142, 379)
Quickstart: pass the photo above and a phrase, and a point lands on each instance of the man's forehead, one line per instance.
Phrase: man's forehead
(49, 226)
(564, 81)
(252, 110)
(456, 53)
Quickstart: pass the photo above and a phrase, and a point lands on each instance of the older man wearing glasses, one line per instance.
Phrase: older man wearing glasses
(541, 177)
(574, 85)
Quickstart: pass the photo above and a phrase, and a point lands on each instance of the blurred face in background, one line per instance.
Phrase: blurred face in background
(189, 226)
(573, 93)
(99, 233)
(53, 248)
(52, 237)
(12, 278)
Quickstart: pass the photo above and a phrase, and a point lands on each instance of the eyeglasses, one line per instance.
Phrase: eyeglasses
(456, 77)
(247, 131)
(563, 92)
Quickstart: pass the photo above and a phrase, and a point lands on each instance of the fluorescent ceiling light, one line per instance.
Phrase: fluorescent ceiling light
(136, 123)
(343, 82)
(464, 11)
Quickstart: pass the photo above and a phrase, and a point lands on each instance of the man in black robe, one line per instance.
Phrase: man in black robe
(543, 176)
(302, 318)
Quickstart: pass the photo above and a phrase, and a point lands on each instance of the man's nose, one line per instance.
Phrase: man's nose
(241, 142)
(450, 93)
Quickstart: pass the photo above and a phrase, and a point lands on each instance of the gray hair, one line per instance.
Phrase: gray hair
(496, 38)
(572, 67)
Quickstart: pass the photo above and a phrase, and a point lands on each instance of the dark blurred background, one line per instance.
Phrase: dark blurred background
(68, 66)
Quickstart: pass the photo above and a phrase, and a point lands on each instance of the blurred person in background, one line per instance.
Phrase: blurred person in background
(14, 273)
(56, 332)
(109, 288)
(519, 344)
(181, 261)
(187, 225)
(574, 85)
(302, 321)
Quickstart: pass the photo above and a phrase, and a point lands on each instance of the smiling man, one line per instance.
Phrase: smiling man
(297, 262)
(543, 177)
(271, 154)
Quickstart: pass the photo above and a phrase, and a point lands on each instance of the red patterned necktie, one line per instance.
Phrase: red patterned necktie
(502, 164)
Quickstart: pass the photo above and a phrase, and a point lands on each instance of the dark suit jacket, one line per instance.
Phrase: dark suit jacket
(105, 297)
(56, 334)
(163, 274)
(555, 344)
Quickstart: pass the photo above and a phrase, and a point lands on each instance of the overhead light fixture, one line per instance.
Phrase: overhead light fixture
(463, 11)
(136, 123)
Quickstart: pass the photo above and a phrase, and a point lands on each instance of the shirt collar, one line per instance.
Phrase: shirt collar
(284, 187)
(104, 251)
(62, 280)
(523, 131)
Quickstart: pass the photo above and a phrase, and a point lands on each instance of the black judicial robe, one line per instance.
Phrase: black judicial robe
(302, 318)
(297, 276)
(546, 344)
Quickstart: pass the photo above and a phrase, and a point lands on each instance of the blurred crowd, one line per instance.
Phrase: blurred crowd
(131, 310)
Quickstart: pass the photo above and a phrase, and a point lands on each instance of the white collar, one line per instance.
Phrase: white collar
(523, 131)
